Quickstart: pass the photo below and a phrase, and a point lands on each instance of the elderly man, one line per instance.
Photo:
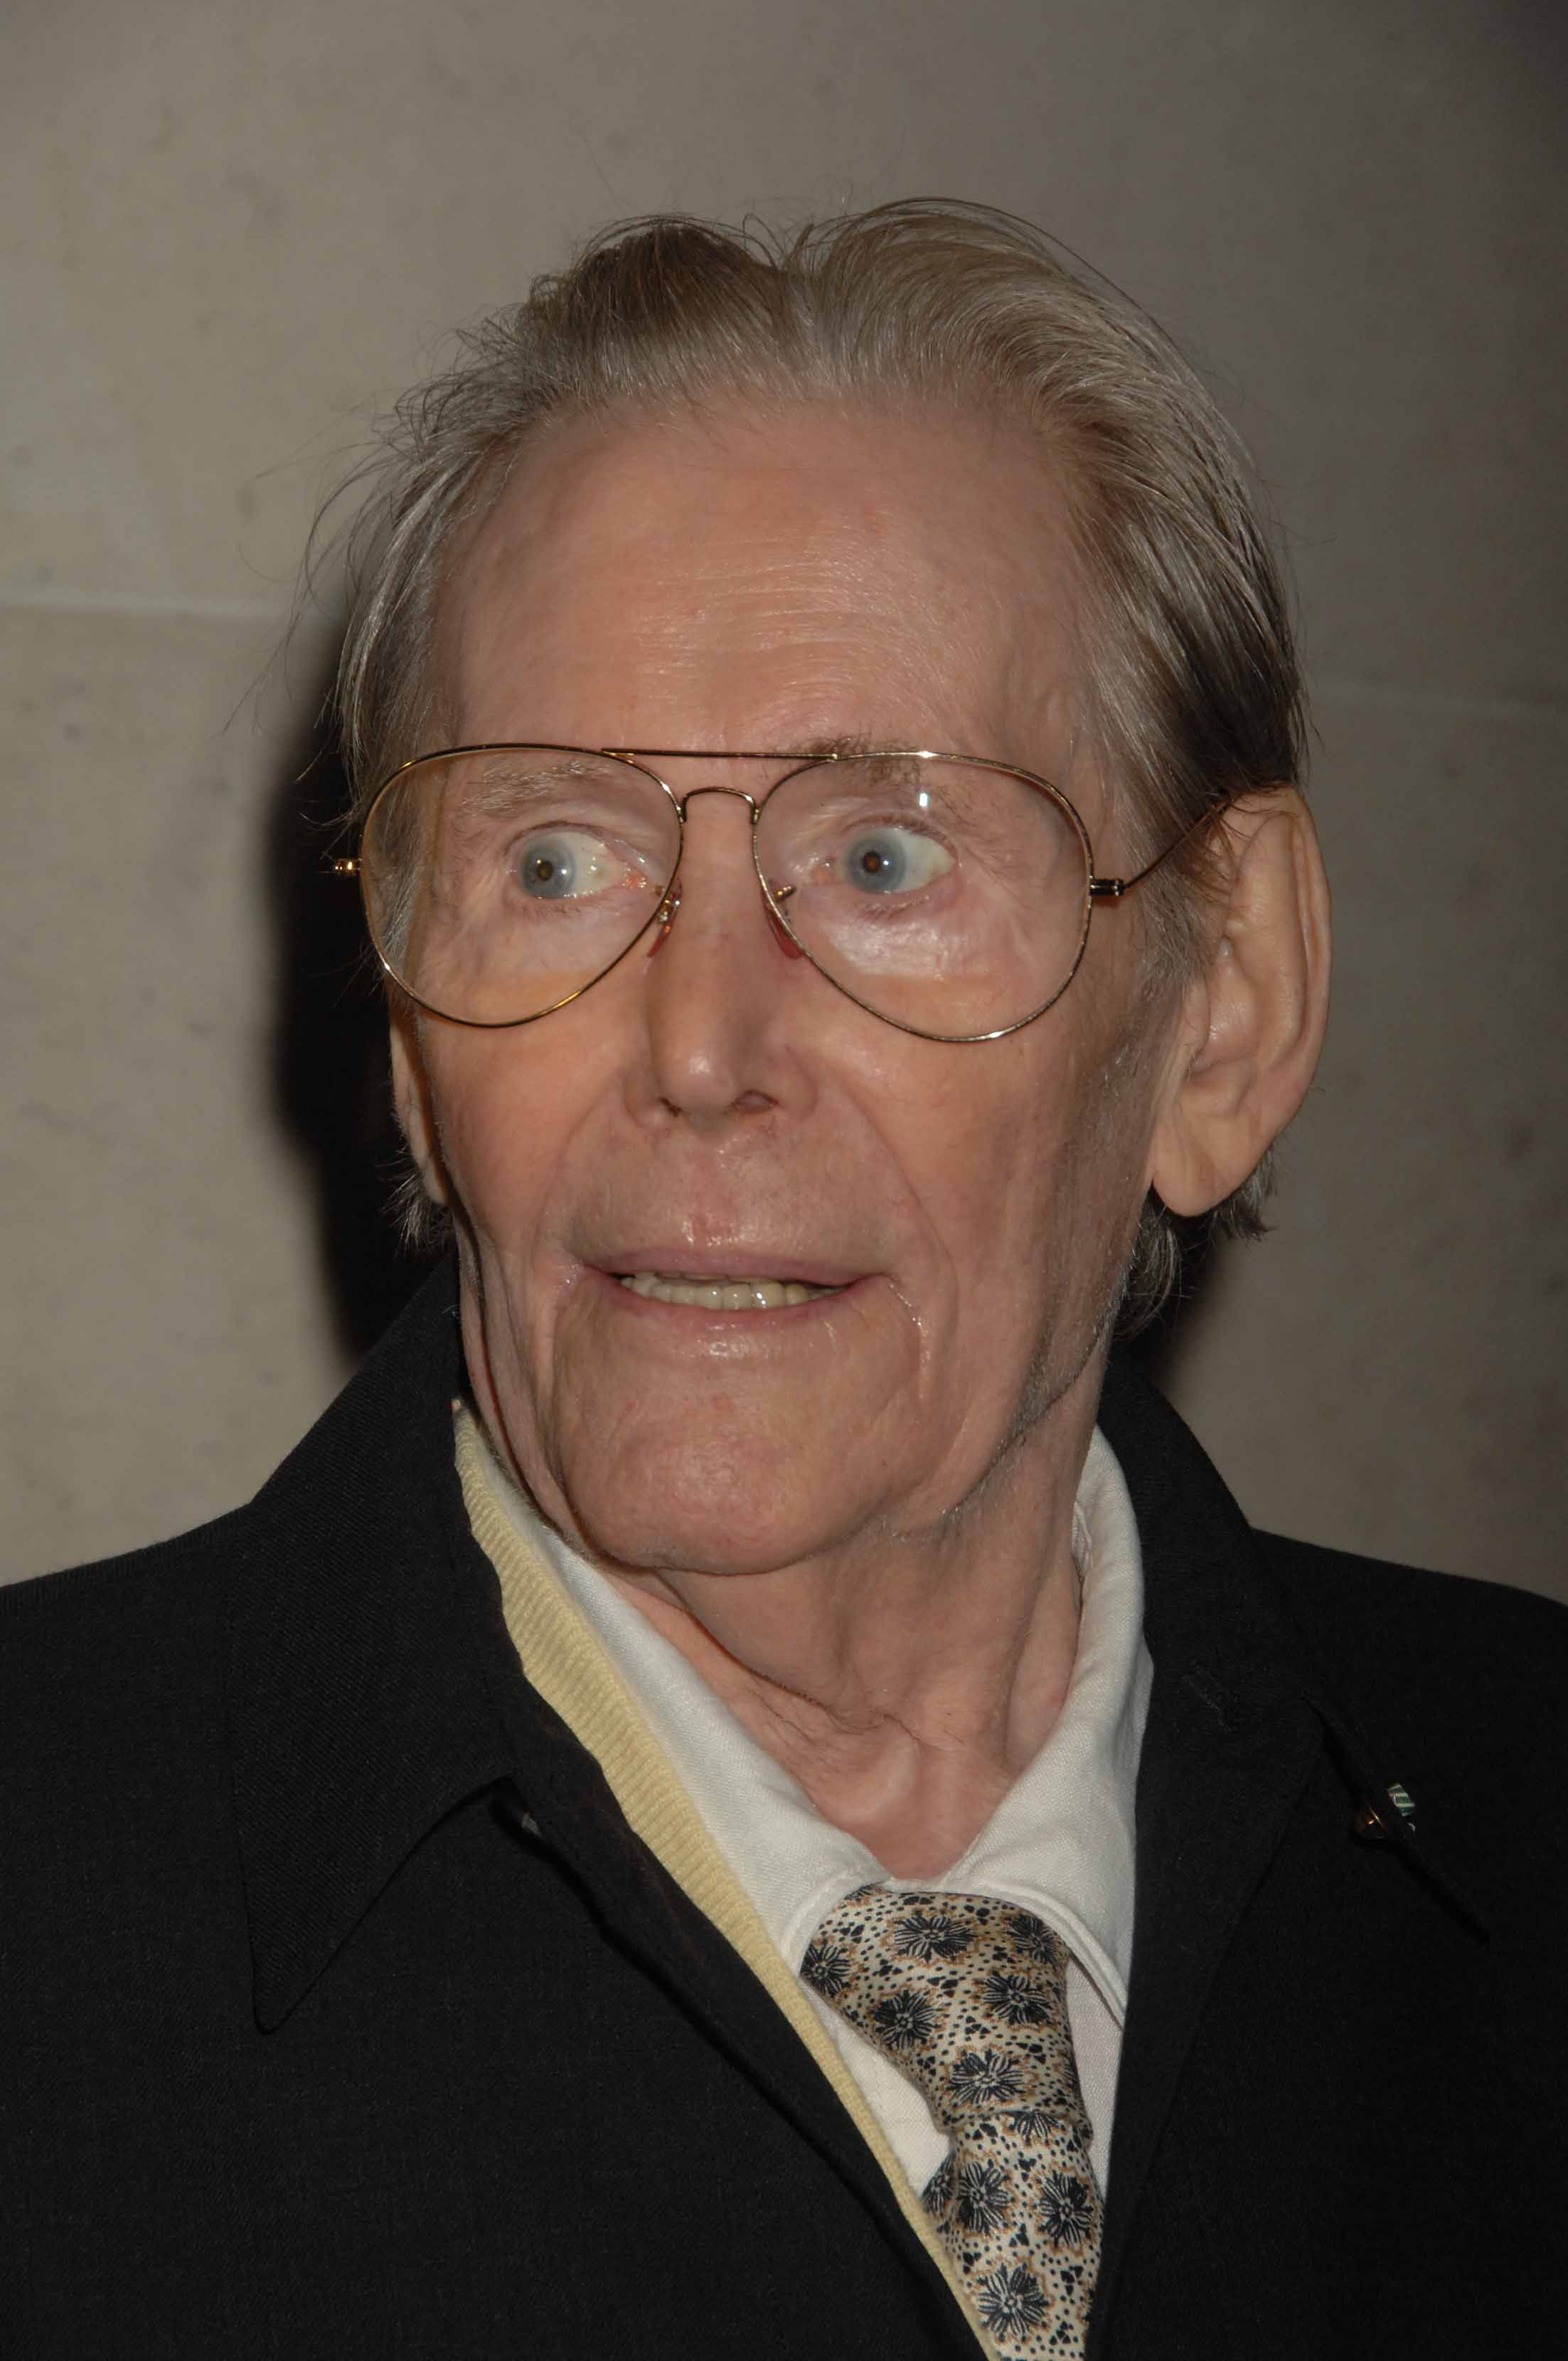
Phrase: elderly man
(747, 1791)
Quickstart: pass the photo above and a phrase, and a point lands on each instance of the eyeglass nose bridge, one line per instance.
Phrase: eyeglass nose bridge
(664, 916)
(681, 802)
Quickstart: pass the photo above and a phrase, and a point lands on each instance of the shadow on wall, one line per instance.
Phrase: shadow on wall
(330, 1080)
(330, 1086)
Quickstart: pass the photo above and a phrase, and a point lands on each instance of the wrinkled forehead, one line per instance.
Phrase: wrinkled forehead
(808, 576)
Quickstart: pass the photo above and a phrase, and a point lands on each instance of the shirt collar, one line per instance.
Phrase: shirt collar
(1061, 1842)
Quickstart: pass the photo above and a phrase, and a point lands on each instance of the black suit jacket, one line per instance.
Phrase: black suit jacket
(342, 2014)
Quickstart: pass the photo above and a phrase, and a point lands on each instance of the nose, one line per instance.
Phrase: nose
(671, 901)
(716, 1023)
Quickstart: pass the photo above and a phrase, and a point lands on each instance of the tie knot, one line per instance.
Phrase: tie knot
(966, 1996)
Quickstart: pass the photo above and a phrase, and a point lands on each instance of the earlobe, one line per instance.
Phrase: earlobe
(411, 1098)
(1253, 1020)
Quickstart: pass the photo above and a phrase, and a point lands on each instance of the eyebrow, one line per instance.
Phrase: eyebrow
(811, 750)
(853, 741)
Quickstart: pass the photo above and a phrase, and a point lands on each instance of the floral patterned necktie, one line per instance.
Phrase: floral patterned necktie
(966, 1997)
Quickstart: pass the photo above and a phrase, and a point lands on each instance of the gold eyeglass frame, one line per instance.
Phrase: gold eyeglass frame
(1099, 890)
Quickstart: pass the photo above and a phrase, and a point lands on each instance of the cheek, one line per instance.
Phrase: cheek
(1042, 1182)
(507, 1109)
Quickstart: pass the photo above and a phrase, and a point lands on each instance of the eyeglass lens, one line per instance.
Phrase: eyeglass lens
(945, 895)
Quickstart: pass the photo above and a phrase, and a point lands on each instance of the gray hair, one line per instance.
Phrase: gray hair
(1187, 681)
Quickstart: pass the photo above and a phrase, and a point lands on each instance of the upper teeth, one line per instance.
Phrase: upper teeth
(723, 1294)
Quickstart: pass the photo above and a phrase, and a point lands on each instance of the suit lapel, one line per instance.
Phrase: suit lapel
(1240, 1716)
(1235, 1729)
(358, 1710)
(1212, 1808)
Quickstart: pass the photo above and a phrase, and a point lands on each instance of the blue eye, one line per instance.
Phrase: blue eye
(894, 861)
(566, 865)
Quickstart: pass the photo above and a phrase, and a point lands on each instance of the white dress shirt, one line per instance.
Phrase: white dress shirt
(1059, 1843)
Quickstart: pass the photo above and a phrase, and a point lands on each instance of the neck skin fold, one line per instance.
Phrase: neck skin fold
(906, 1679)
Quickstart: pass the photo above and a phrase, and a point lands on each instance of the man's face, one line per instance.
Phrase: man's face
(719, 1109)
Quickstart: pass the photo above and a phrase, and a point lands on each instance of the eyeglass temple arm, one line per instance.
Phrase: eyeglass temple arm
(1111, 889)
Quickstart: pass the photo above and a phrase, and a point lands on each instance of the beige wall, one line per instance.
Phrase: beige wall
(235, 230)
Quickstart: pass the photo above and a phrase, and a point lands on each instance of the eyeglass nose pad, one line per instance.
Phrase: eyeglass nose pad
(782, 936)
(663, 919)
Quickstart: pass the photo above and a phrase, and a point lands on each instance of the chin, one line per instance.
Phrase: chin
(708, 1511)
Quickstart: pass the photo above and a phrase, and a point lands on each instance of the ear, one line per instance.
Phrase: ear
(411, 1097)
(1252, 1021)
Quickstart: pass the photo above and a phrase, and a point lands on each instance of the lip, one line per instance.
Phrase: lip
(745, 1324)
(724, 1262)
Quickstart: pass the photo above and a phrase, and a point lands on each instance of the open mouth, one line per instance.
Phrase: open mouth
(720, 1294)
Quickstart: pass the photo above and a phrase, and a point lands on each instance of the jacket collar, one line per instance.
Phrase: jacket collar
(1241, 1716)
(1227, 1650)
(362, 1642)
